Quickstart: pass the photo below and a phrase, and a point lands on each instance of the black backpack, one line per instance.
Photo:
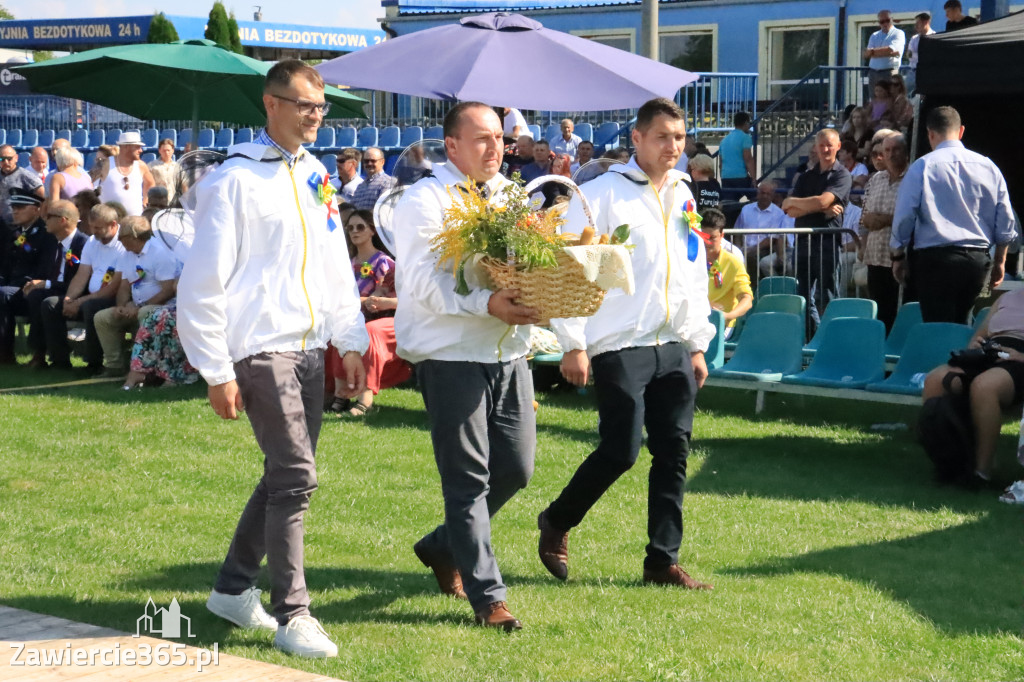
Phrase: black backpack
(946, 432)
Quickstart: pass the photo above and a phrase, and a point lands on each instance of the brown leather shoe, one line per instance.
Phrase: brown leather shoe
(674, 575)
(496, 615)
(448, 578)
(553, 547)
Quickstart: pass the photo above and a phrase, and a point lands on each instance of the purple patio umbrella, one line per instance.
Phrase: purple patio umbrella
(509, 60)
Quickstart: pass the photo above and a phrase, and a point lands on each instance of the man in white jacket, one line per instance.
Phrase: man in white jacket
(646, 350)
(470, 355)
(261, 294)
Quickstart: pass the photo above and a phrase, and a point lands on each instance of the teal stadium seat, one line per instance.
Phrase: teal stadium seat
(771, 347)
(776, 285)
(980, 318)
(928, 345)
(863, 308)
(851, 354)
(907, 317)
(715, 355)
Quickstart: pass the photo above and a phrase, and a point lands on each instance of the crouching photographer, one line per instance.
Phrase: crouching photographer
(977, 385)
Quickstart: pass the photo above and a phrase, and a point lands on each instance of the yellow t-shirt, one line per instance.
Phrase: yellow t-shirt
(727, 280)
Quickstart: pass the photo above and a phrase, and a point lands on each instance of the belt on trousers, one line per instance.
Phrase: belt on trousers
(955, 249)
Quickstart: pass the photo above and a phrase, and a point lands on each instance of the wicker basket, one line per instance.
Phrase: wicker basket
(555, 292)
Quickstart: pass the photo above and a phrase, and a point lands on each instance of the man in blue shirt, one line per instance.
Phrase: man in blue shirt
(736, 152)
(884, 50)
(952, 207)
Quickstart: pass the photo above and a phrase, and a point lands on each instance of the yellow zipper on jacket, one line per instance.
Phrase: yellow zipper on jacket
(668, 258)
(302, 273)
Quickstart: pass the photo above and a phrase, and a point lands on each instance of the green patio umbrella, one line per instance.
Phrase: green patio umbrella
(192, 79)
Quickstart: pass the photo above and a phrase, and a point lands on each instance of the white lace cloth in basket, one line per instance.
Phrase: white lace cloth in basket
(607, 266)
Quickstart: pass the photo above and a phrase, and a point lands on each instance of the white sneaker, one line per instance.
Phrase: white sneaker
(244, 610)
(303, 636)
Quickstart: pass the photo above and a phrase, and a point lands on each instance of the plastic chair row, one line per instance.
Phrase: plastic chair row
(851, 354)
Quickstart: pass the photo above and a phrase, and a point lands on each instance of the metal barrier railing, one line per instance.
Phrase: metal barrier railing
(820, 259)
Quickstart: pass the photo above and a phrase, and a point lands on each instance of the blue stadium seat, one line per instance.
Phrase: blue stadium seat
(110, 137)
(23, 159)
(345, 136)
(169, 134)
(367, 137)
(324, 138)
(771, 347)
(411, 135)
(389, 138)
(714, 356)
(3, 136)
(907, 317)
(851, 354)
(927, 346)
(14, 137)
(534, 130)
(63, 134)
(149, 157)
(184, 137)
(46, 138)
(80, 139)
(433, 133)
(206, 138)
(863, 308)
(585, 131)
(980, 318)
(150, 138)
(90, 159)
(552, 132)
(97, 137)
(243, 136)
(225, 138)
(330, 162)
(607, 135)
(776, 285)
(30, 138)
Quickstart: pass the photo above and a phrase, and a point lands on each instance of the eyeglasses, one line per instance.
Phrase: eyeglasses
(8, 158)
(358, 227)
(125, 182)
(372, 162)
(305, 107)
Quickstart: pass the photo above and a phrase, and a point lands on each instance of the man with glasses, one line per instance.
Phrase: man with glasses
(12, 176)
(884, 50)
(61, 222)
(349, 161)
(266, 286)
(26, 253)
(125, 179)
(376, 180)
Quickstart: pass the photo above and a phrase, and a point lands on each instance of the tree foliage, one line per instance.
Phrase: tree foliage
(161, 30)
(236, 39)
(217, 28)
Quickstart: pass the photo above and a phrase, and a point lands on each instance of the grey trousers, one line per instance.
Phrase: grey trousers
(484, 432)
(283, 396)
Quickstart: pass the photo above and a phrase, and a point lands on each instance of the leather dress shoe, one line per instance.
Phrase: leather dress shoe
(553, 547)
(674, 575)
(448, 578)
(496, 615)
(38, 361)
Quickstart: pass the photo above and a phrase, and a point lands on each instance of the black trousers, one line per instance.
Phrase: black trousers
(947, 280)
(34, 309)
(816, 275)
(652, 386)
(51, 312)
(884, 290)
(12, 304)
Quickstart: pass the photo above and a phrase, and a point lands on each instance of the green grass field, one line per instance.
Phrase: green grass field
(833, 555)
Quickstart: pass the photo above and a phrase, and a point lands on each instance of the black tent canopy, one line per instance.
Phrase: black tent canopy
(980, 72)
(984, 59)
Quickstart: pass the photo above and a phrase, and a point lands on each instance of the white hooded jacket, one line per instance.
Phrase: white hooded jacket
(670, 302)
(265, 272)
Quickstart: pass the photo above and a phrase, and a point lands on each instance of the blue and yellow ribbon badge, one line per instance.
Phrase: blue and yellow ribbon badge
(325, 192)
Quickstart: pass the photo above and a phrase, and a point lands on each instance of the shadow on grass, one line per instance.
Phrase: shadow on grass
(964, 579)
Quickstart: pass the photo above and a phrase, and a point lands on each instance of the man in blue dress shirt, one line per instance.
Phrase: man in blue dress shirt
(952, 207)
